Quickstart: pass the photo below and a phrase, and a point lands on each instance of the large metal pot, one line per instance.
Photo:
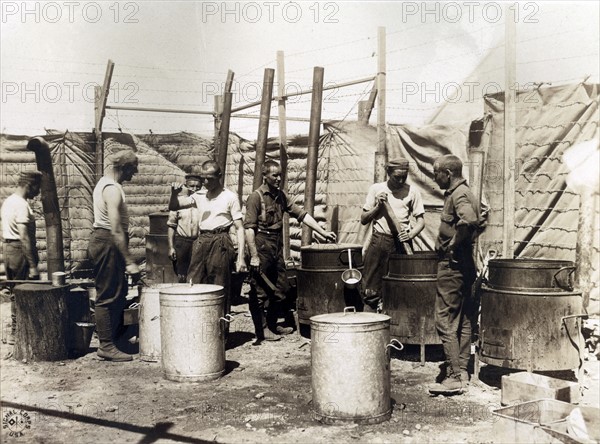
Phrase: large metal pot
(159, 267)
(191, 331)
(319, 279)
(409, 291)
(536, 275)
(530, 330)
(350, 367)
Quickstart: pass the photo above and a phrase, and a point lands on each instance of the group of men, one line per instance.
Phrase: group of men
(204, 223)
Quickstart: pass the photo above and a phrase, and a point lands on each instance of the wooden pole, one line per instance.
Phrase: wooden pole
(510, 121)
(159, 110)
(263, 126)
(313, 150)
(218, 111)
(584, 249)
(224, 135)
(381, 154)
(283, 155)
(100, 98)
(364, 114)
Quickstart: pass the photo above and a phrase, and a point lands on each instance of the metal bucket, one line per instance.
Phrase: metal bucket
(192, 341)
(350, 367)
(409, 291)
(535, 275)
(319, 279)
(530, 330)
(149, 322)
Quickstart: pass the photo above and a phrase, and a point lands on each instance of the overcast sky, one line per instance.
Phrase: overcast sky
(176, 55)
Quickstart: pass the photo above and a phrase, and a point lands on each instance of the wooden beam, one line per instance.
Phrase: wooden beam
(313, 150)
(365, 115)
(218, 110)
(510, 125)
(100, 98)
(263, 126)
(381, 155)
(160, 110)
(223, 139)
(283, 154)
(299, 93)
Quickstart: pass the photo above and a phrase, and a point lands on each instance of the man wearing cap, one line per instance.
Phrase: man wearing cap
(389, 206)
(265, 208)
(183, 228)
(18, 230)
(213, 254)
(108, 250)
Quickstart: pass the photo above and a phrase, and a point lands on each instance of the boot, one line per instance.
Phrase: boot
(451, 385)
(283, 330)
(107, 349)
(270, 323)
(261, 331)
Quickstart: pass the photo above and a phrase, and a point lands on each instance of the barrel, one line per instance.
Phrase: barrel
(350, 368)
(408, 294)
(149, 323)
(533, 328)
(159, 268)
(191, 332)
(319, 279)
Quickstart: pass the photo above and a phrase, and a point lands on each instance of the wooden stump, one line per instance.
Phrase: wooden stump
(42, 322)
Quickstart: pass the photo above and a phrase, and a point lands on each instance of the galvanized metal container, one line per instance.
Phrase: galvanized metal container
(319, 279)
(409, 291)
(191, 331)
(535, 275)
(530, 330)
(149, 322)
(350, 367)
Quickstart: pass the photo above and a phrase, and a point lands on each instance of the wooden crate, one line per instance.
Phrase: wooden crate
(525, 386)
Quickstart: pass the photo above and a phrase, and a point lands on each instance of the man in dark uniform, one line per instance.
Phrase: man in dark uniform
(454, 309)
(263, 224)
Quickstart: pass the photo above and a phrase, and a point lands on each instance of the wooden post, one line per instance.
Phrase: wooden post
(476, 168)
(218, 111)
(224, 135)
(313, 150)
(283, 155)
(510, 122)
(381, 155)
(584, 249)
(100, 98)
(263, 126)
(364, 114)
(54, 237)
(42, 322)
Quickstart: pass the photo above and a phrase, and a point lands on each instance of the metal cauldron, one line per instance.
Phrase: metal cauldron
(192, 332)
(534, 328)
(408, 293)
(350, 367)
(319, 279)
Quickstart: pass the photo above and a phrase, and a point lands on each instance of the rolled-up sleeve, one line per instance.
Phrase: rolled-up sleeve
(294, 209)
(252, 211)
(173, 218)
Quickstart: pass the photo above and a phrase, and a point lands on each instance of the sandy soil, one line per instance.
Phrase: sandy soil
(264, 396)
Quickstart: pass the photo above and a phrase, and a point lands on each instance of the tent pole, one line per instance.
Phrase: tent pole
(224, 129)
(381, 154)
(100, 97)
(283, 155)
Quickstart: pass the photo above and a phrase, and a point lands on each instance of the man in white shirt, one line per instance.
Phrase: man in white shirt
(389, 206)
(18, 230)
(213, 255)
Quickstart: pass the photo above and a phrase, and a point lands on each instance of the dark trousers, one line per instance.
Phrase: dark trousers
(455, 311)
(109, 270)
(213, 257)
(183, 249)
(272, 264)
(376, 266)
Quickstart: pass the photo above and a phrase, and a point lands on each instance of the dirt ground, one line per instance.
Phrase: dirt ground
(264, 396)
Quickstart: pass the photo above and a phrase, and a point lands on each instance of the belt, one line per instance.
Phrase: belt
(216, 230)
(269, 232)
(378, 233)
(8, 241)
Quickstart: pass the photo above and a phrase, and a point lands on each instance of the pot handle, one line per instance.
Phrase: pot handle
(392, 344)
(227, 318)
(556, 282)
(350, 309)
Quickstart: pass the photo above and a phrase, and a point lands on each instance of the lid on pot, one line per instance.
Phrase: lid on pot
(350, 318)
(193, 289)
(331, 247)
